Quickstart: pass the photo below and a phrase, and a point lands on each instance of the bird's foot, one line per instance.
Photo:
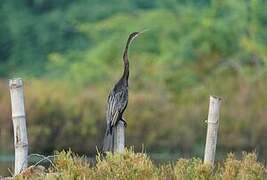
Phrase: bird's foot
(125, 124)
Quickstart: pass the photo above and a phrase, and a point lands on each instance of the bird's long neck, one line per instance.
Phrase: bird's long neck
(125, 75)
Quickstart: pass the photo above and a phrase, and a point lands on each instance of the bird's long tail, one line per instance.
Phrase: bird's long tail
(108, 140)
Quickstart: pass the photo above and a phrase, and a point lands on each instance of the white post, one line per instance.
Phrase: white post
(119, 134)
(212, 131)
(19, 124)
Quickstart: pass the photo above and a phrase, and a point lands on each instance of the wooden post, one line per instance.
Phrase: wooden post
(119, 134)
(19, 124)
(212, 131)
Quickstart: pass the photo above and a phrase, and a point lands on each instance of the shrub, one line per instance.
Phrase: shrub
(192, 169)
(131, 166)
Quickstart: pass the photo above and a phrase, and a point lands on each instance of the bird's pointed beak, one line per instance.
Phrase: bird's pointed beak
(141, 32)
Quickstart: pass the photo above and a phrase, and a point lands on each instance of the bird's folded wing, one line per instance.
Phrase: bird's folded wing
(116, 104)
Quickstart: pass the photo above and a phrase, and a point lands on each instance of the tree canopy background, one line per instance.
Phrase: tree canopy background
(70, 54)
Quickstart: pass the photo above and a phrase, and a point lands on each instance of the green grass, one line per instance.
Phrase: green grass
(131, 165)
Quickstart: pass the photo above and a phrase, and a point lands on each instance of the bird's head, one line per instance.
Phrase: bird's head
(133, 35)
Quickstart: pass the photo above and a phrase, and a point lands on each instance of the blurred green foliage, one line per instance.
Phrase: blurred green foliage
(69, 53)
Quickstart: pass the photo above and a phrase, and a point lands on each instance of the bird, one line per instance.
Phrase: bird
(118, 99)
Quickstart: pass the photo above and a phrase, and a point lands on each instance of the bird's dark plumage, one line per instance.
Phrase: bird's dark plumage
(117, 99)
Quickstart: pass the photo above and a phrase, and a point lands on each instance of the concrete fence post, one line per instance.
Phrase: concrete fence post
(19, 124)
(119, 134)
(212, 130)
